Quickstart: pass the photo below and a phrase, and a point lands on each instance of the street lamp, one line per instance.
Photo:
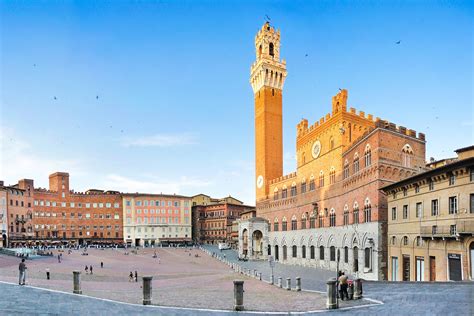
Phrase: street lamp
(337, 275)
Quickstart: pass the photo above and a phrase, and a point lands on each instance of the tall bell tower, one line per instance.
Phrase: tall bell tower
(267, 77)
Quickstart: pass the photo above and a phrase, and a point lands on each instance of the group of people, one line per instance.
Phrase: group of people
(343, 285)
(132, 277)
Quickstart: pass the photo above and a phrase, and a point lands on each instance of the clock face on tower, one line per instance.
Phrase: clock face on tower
(316, 149)
(260, 181)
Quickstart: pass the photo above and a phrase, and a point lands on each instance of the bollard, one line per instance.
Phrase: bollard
(47, 274)
(147, 288)
(288, 284)
(238, 295)
(331, 302)
(357, 289)
(298, 284)
(272, 279)
(260, 276)
(280, 285)
(254, 273)
(77, 282)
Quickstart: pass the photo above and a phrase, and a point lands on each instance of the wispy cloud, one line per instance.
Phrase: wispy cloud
(18, 160)
(126, 184)
(161, 140)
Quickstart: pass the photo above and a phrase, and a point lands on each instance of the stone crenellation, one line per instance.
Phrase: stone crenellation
(283, 178)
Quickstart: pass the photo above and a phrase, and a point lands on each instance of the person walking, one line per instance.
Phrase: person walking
(136, 276)
(47, 273)
(343, 286)
(130, 277)
(59, 258)
(101, 264)
(86, 269)
(22, 267)
(90, 269)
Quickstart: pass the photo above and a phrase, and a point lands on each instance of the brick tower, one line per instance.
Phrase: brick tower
(267, 76)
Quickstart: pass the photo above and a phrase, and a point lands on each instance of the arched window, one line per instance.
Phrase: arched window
(346, 169)
(332, 252)
(275, 224)
(312, 185)
(332, 175)
(303, 186)
(367, 211)
(407, 154)
(368, 156)
(394, 240)
(311, 252)
(293, 189)
(321, 179)
(294, 251)
(321, 218)
(346, 215)
(419, 241)
(275, 194)
(355, 213)
(356, 163)
(294, 223)
(332, 218)
(405, 241)
(303, 221)
(284, 193)
(346, 254)
(284, 226)
(321, 252)
(284, 252)
(368, 258)
(271, 50)
(312, 221)
(303, 252)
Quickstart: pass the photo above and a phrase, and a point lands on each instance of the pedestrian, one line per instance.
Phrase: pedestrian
(59, 259)
(343, 286)
(136, 276)
(101, 264)
(87, 269)
(130, 277)
(47, 273)
(22, 267)
(90, 269)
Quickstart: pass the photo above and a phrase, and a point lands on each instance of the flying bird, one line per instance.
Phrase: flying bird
(55, 98)
(97, 97)
(34, 65)
(306, 55)
(267, 17)
(398, 42)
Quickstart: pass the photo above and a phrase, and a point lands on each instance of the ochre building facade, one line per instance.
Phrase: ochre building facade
(332, 202)
(431, 223)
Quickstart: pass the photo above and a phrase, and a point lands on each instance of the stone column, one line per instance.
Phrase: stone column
(77, 282)
(272, 279)
(357, 289)
(331, 302)
(147, 288)
(298, 284)
(238, 295)
(288, 284)
(280, 282)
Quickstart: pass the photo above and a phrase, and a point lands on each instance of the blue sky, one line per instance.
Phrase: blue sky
(174, 112)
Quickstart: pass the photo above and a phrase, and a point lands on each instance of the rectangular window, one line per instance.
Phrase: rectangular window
(108, 205)
(303, 187)
(452, 179)
(405, 211)
(72, 204)
(452, 230)
(434, 229)
(434, 208)
(312, 185)
(394, 213)
(417, 189)
(419, 210)
(368, 259)
(293, 191)
(431, 185)
(312, 222)
(453, 205)
(284, 226)
(471, 174)
(63, 204)
(471, 204)
(127, 203)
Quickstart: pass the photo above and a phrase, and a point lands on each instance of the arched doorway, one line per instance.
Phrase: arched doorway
(277, 255)
(245, 241)
(356, 260)
(257, 243)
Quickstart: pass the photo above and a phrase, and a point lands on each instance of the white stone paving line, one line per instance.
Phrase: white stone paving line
(206, 309)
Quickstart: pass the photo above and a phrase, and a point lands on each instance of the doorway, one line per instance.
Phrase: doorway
(420, 269)
(454, 265)
(277, 257)
(394, 268)
(471, 251)
(356, 259)
(284, 252)
(432, 268)
(406, 268)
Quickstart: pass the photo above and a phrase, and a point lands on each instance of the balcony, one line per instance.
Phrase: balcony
(452, 230)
